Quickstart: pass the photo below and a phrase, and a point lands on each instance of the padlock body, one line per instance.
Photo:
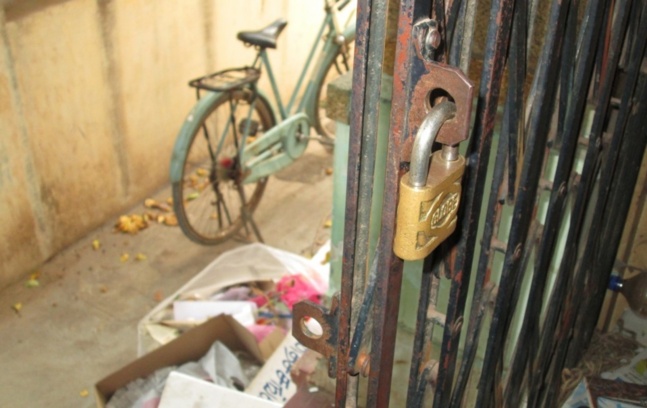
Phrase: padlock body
(426, 215)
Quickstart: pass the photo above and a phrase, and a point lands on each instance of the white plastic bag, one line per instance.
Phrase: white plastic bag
(253, 262)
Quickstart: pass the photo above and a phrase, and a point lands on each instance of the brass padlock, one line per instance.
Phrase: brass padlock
(429, 193)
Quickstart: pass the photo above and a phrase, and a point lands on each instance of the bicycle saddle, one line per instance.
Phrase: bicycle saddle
(266, 37)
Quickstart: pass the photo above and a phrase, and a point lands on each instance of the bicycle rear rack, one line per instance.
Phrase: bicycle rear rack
(227, 80)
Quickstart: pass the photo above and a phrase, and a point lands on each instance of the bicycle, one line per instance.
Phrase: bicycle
(230, 143)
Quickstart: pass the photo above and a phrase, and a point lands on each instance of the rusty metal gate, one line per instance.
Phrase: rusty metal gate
(559, 89)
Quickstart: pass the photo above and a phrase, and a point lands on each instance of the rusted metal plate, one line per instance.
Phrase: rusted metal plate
(439, 81)
(324, 343)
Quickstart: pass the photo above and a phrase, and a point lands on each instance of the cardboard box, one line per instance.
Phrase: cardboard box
(189, 347)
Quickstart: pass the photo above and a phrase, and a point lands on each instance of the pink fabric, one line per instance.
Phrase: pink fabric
(295, 288)
(290, 289)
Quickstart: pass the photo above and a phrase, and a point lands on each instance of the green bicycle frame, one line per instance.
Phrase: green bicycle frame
(284, 143)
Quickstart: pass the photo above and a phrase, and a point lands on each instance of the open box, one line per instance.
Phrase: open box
(251, 263)
(190, 346)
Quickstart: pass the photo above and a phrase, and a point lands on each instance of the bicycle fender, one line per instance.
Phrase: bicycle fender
(266, 99)
(192, 121)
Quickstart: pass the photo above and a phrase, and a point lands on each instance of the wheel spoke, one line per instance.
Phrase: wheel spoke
(210, 187)
(221, 204)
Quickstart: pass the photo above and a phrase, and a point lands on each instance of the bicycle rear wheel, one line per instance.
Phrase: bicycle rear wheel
(211, 200)
(337, 66)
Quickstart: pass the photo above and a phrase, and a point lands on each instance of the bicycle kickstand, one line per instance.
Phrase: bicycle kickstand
(247, 216)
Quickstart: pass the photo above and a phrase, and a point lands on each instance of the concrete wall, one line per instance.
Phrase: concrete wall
(92, 93)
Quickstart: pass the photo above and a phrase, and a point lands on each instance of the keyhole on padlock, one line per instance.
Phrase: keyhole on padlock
(436, 96)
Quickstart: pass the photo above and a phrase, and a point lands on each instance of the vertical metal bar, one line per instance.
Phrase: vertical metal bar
(523, 209)
(385, 316)
(628, 247)
(458, 34)
(594, 241)
(348, 287)
(514, 103)
(621, 195)
(387, 297)
(438, 14)
(371, 118)
(417, 357)
(468, 35)
(584, 69)
(477, 310)
(564, 279)
(371, 111)
(568, 70)
(469, 213)
(410, 11)
(631, 157)
(369, 143)
(452, 17)
(554, 346)
(632, 150)
(532, 18)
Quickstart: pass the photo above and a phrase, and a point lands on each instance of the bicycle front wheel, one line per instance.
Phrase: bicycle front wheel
(211, 200)
(339, 65)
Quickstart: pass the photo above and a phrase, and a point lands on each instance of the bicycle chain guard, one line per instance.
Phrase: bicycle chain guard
(295, 135)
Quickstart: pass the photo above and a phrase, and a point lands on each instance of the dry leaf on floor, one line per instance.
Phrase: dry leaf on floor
(140, 257)
(192, 196)
(124, 257)
(17, 307)
(327, 224)
(169, 201)
(32, 283)
(202, 172)
(103, 289)
(96, 244)
(131, 223)
(171, 220)
(158, 296)
(328, 171)
(151, 203)
(161, 219)
(84, 393)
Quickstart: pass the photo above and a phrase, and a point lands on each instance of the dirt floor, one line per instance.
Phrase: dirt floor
(79, 323)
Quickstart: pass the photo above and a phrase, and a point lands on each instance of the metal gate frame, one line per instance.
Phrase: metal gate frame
(586, 98)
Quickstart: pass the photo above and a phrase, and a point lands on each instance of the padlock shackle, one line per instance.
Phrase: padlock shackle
(425, 137)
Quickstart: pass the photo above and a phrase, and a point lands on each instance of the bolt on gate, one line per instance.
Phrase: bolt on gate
(536, 124)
